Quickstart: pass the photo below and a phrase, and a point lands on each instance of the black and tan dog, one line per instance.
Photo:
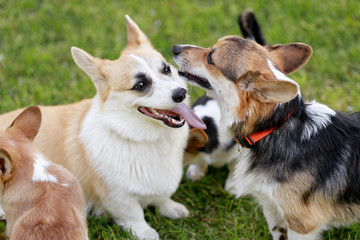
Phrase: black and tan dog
(302, 160)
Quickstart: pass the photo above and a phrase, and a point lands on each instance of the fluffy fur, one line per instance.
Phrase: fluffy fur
(41, 200)
(208, 147)
(306, 173)
(218, 150)
(124, 158)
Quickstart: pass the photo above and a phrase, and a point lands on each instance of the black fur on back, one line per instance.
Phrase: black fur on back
(331, 156)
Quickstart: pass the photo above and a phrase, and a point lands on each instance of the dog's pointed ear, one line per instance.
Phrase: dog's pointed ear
(91, 66)
(197, 139)
(6, 164)
(27, 123)
(250, 28)
(289, 57)
(267, 90)
(135, 37)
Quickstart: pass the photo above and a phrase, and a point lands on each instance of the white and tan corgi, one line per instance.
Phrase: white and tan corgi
(41, 200)
(125, 145)
(300, 160)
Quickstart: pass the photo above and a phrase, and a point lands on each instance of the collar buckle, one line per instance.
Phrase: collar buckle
(247, 142)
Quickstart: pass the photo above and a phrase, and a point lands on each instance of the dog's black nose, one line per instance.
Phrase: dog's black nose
(179, 94)
(176, 49)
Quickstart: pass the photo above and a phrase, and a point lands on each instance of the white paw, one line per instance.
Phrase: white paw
(2, 214)
(141, 231)
(196, 171)
(149, 234)
(230, 184)
(173, 210)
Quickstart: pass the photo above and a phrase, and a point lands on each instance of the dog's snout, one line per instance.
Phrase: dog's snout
(176, 49)
(179, 94)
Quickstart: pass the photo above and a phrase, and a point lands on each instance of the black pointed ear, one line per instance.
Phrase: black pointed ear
(6, 165)
(250, 27)
(267, 90)
(27, 123)
(197, 139)
(289, 57)
(135, 37)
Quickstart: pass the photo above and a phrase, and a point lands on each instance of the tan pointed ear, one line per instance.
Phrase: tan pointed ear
(27, 123)
(91, 66)
(6, 165)
(267, 90)
(197, 139)
(135, 37)
(289, 57)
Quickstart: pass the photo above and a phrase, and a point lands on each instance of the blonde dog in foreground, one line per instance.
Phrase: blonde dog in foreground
(125, 145)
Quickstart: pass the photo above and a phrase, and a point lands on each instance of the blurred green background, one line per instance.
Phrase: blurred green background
(36, 68)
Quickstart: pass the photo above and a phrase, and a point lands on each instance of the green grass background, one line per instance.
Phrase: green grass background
(36, 68)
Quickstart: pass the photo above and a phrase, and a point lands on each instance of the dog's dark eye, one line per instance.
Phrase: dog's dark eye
(142, 82)
(166, 69)
(140, 86)
(209, 59)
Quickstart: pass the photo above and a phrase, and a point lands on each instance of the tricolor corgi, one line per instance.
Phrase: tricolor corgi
(41, 200)
(210, 146)
(217, 149)
(300, 160)
(125, 145)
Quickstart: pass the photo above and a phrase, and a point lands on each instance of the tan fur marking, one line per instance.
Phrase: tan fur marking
(38, 210)
(66, 148)
(197, 139)
(305, 216)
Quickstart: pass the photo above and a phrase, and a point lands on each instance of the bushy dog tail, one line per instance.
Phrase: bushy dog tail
(250, 27)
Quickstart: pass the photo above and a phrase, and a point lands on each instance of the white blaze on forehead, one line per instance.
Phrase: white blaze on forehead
(40, 166)
(143, 63)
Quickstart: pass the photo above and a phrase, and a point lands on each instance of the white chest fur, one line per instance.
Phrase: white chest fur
(151, 167)
(250, 183)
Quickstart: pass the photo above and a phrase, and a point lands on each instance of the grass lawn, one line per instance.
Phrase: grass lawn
(36, 68)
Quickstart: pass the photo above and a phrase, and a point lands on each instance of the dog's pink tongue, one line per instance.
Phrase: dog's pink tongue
(190, 117)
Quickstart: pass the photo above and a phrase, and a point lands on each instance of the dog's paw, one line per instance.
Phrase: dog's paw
(279, 232)
(140, 230)
(230, 184)
(2, 214)
(196, 171)
(173, 210)
(149, 234)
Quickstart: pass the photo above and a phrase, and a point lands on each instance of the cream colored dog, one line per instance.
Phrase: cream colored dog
(126, 144)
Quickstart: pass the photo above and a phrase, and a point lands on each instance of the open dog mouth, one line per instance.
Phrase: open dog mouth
(175, 117)
(170, 118)
(203, 82)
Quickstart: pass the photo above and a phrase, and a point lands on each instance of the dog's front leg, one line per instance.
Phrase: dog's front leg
(230, 180)
(196, 171)
(274, 220)
(171, 209)
(2, 213)
(129, 214)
